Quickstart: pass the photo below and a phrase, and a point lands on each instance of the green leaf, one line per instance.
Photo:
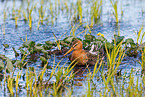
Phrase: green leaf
(46, 47)
(118, 39)
(109, 45)
(6, 45)
(9, 65)
(16, 53)
(39, 48)
(23, 51)
(49, 43)
(129, 40)
(26, 44)
(63, 43)
(86, 43)
(89, 37)
(99, 43)
(68, 39)
(18, 63)
(44, 51)
(141, 46)
(133, 45)
(31, 44)
(102, 39)
(39, 44)
(43, 59)
(1, 65)
(3, 57)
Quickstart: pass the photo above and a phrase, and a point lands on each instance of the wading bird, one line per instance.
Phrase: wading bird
(81, 56)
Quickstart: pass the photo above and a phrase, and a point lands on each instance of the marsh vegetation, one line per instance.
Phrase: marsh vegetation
(35, 34)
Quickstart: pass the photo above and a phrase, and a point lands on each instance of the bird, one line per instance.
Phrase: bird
(82, 57)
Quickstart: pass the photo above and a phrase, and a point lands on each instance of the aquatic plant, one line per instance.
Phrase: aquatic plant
(58, 40)
(79, 8)
(115, 12)
(114, 59)
(142, 62)
(29, 10)
(16, 21)
(74, 28)
(138, 34)
(96, 11)
(4, 18)
(59, 81)
(64, 75)
(10, 85)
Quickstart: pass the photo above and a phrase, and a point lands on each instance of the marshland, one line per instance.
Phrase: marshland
(35, 35)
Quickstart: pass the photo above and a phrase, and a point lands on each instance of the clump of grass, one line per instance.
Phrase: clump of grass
(17, 81)
(115, 12)
(4, 18)
(142, 62)
(96, 11)
(10, 85)
(79, 8)
(132, 89)
(114, 59)
(138, 35)
(41, 12)
(66, 5)
(16, 21)
(29, 10)
(51, 11)
(74, 28)
(63, 75)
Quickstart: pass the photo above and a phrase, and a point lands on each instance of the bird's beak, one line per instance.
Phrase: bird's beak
(68, 51)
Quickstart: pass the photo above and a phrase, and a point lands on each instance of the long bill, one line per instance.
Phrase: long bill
(68, 51)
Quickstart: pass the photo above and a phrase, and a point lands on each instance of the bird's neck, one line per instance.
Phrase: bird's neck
(78, 50)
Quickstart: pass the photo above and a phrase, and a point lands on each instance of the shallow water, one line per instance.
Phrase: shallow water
(132, 19)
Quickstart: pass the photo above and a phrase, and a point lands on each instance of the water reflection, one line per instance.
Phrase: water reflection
(81, 74)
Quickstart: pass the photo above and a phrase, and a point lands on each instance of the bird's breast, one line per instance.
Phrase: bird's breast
(80, 56)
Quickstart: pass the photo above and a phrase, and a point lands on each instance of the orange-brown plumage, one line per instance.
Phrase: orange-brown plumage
(79, 55)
